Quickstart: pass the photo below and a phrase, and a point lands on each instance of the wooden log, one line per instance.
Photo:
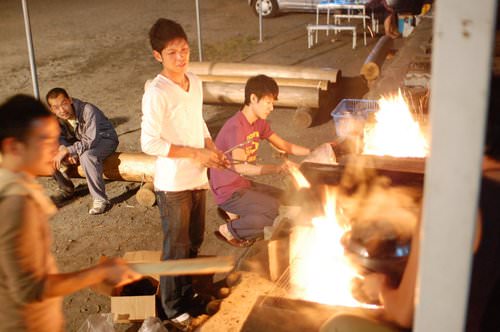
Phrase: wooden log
(304, 117)
(234, 93)
(275, 71)
(145, 196)
(300, 82)
(370, 70)
(124, 166)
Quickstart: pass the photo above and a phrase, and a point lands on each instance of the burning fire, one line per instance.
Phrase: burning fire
(299, 178)
(396, 133)
(320, 272)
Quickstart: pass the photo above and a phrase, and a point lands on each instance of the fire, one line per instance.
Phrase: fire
(396, 133)
(298, 177)
(320, 272)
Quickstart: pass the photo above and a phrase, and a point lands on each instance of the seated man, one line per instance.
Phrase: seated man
(87, 137)
(256, 204)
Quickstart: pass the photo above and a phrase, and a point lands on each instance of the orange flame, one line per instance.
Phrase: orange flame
(396, 133)
(320, 272)
(299, 178)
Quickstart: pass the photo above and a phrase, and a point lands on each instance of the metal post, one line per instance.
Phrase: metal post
(260, 22)
(31, 50)
(462, 48)
(198, 30)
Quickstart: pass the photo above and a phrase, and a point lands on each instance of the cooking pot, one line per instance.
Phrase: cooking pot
(390, 259)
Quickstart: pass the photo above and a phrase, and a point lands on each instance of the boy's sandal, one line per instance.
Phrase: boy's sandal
(234, 242)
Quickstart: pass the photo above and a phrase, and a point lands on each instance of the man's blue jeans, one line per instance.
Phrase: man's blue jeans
(183, 221)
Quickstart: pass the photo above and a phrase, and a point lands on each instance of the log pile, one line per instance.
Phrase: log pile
(300, 87)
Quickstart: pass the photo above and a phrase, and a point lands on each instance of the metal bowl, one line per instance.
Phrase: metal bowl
(391, 262)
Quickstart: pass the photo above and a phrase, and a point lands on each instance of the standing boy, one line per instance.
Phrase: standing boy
(256, 204)
(87, 137)
(173, 129)
(31, 289)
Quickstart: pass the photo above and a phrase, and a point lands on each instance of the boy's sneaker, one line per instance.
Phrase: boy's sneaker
(99, 206)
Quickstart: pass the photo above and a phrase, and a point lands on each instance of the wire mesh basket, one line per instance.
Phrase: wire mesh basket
(350, 116)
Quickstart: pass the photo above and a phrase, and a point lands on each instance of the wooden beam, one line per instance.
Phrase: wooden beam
(234, 93)
(275, 71)
(370, 70)
(124, 166)
(299, 82)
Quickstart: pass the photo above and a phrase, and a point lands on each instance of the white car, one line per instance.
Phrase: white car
(271, 8)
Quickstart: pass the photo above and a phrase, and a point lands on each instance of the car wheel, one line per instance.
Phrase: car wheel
(269, 8)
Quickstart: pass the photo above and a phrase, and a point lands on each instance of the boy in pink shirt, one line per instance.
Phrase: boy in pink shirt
(256, 204)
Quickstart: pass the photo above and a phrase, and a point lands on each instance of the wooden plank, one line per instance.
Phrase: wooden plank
(191, 266)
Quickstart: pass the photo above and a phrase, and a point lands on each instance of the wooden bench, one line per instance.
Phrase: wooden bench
(312, 28)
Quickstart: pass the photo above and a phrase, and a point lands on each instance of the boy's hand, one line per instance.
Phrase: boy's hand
(222, 157)
(117, 272)
(211, 158)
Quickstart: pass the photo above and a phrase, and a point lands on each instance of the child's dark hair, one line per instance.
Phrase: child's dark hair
(261, 85)
(54, 93)
(164, 31)
(17, 115)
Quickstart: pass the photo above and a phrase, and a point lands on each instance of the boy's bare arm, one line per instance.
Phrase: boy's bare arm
(288, 147)
(111, 271)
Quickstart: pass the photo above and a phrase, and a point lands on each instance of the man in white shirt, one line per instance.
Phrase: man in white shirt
(173, 129)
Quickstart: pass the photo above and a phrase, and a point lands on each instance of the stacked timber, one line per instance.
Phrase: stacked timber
(300, 87)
